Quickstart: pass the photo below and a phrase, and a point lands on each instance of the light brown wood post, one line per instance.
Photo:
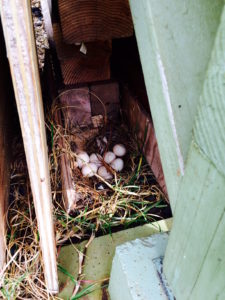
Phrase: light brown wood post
(20, 43)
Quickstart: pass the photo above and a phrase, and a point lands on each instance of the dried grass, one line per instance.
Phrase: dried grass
(126, 201)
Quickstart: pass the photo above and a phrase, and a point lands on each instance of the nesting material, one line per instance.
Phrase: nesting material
(41, 37)
(133, 198)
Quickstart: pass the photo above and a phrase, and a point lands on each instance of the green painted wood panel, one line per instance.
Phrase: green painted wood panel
(199, 210)
(194, 264)
(211, 280)
(210, 122)
(175, 39)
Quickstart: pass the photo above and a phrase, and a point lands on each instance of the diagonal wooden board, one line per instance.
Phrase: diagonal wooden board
(20, 43)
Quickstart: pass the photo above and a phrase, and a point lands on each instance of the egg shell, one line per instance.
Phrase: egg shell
(82, 158)
(109, 157)
(96, 159)
(102, 171)
(119, 150)
(89, 170)
(117, 164)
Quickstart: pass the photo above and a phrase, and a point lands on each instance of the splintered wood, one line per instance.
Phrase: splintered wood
(88, 20)
(78, 67)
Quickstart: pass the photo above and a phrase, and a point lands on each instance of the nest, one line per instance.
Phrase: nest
(132, 198)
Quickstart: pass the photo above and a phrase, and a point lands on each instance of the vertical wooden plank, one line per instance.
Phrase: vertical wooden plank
(19, 37)
(194, 262)
(174, 67)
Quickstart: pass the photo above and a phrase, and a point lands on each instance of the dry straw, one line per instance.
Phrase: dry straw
(131, 198)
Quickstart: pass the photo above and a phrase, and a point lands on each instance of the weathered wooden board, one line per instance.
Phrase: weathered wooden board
(88, 20)
(78, 67)
(68, 186)
(174, 66)
(194, 264)
(105, 98)
(142, 126)
(19, 37)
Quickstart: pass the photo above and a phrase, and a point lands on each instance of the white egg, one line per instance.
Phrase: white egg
(117, 164)
(82, 158)
(96, 159)
(119, 150)
(89, 170)
(102, 171)
(109, 157)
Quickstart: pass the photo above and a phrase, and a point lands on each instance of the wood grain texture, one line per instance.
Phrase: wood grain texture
(194, 263)
(108, 93)
(88, 20)
(141, 124)
(210, 122)
(174, 66)
(68, 186)
(77, 67)
(19, 37)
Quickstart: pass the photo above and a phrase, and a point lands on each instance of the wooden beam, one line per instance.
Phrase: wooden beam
(78, 67)
(99, 20)
(174, 67)
(194, 263)
(19, 37)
